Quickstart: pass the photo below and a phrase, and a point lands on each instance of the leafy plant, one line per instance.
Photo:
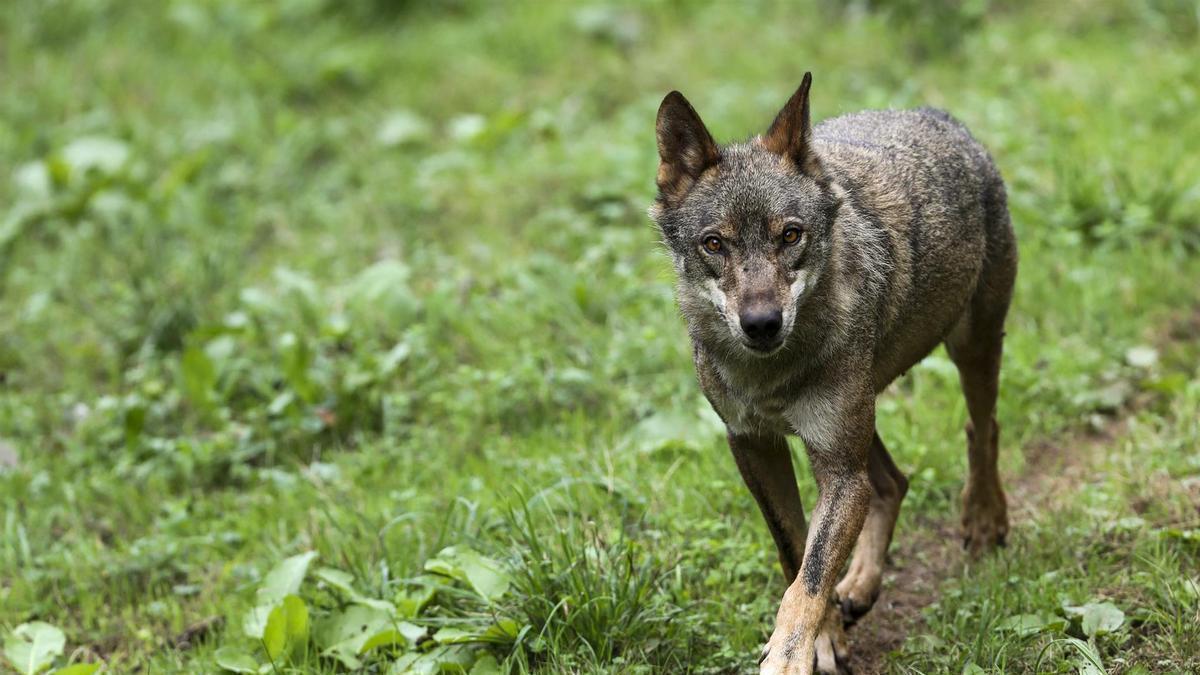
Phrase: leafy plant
(32, 647)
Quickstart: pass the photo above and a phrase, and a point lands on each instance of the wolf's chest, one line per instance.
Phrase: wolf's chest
(796, 403)
(751, 411)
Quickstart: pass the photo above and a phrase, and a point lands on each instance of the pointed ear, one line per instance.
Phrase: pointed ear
(790, 134)
(685, 148)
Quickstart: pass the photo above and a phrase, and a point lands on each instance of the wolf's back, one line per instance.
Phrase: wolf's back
(920, 177)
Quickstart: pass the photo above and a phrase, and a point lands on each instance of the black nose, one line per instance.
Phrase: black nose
(761, 324)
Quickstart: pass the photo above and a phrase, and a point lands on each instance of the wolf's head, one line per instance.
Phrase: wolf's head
(748, 225)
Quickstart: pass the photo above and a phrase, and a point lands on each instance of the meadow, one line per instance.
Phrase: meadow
(334, 337)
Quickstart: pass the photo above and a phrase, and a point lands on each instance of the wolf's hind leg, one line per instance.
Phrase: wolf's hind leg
(984, 509)
(858, 590)
(975, 345)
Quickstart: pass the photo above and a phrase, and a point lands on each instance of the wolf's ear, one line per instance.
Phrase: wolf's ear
(790, 134)
(685, 148)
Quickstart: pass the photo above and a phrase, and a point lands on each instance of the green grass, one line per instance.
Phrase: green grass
(374, 278)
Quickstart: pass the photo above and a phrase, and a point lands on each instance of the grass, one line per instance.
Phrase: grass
(374, 279)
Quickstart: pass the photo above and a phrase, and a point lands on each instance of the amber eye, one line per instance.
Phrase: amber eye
(791, 235)
(712, 244)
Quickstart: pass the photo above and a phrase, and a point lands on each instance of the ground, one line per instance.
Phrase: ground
(373, 280)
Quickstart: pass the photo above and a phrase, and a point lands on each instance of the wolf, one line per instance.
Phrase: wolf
(814, 267)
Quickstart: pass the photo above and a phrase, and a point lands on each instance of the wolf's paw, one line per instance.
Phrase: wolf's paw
(984, 519)
(857, 592)
(833, 655)
(784, 655)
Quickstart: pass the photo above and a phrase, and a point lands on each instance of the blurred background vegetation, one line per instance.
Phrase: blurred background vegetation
(373, 278)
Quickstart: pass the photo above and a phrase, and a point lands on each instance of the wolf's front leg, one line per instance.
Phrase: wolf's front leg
(807, 627)
(765, 462)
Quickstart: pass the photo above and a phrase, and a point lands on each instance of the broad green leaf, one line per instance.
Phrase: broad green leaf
(344, 583)
(446, 565)
(451, 635)
(486, 576)
(411, 632)
(235, 660)
(354, 626)
(441, 659)
(384, 638)
(274, 636)
(342, 635)
(1032, 624)
(344, 656)
(486, 665)
(1105, 399)
(1141, 356)
(466, 127)
(297, 620)
(285, 578)
(32, 647)
(78, 669)
(287, 628)
(105, 155)
(1101, 618)
(412, 664)
(255, 621)
(32, 180)
(402, 126)
(410, 603)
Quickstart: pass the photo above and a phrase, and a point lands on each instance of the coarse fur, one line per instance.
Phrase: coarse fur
(815, 266)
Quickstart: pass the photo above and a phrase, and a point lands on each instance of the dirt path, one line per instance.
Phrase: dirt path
(930, 551)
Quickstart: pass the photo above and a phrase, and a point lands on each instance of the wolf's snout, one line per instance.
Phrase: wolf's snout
(761, 324)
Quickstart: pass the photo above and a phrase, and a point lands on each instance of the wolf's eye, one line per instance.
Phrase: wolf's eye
(791, 235)
(712, 244)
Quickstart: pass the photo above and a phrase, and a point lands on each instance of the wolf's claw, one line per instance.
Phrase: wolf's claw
(853, 611)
